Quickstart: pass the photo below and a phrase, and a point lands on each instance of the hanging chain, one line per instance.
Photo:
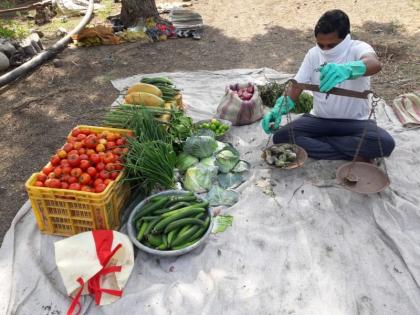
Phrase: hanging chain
(288, 115)
(375, 100)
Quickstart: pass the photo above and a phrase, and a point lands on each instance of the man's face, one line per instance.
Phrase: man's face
(328, 41)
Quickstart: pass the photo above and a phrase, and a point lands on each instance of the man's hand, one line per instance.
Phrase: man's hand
(271, 121)
(333, 74)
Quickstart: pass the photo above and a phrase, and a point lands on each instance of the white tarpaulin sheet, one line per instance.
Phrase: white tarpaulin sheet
(307, 247)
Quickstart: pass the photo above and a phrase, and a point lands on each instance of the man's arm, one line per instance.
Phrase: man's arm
(373, 65)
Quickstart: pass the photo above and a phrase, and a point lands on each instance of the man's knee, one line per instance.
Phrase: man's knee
(388, 144)
(281, 136)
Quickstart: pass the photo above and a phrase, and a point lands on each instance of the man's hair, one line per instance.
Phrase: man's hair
(333, 21)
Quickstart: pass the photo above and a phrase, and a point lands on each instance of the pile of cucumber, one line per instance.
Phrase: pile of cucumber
(171, 222)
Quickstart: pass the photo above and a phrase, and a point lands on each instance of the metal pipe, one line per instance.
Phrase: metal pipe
(49, 53)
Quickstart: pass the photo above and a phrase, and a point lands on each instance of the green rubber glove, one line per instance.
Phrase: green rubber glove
(274, 116)
(333, 74)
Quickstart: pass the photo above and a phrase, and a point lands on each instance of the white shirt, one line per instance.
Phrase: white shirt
(337, 106)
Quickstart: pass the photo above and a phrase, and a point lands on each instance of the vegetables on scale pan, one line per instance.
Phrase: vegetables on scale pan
(172, 222)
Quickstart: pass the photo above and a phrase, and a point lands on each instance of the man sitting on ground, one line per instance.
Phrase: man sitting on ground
(333, 129)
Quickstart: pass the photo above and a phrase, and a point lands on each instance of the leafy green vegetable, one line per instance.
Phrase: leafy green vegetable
(221, 223)
(230, 180)
(199, 178)
(209, 161)
(217, 196)
(200, 146)
(227, 159)
(185, 161)
(242, 166)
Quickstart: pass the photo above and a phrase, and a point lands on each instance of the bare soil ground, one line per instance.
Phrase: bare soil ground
(37, 112)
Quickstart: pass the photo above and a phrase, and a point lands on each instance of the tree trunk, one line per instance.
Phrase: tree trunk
(133, 11)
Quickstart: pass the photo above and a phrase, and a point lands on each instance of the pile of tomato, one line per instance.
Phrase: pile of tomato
(89, 161)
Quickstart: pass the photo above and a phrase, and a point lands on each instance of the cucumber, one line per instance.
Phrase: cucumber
(186, 244)
(151, 225)
(183, 237)
(183, 214)
(182, 222)
(193, 206)
(142, 229)
(156, 205)
(155, 240)
(171, 236)
(200, 232)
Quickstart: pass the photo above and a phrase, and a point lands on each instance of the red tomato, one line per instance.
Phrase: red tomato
(103, 141)
(109, 158)
(71, 139)
(100, 188)
(85, 131)
(91, 171)
(98, 181)
(48, 169)
(48, 182)
(39, 184)
(77, 146)
(55, 160)
(117, 150)
(125, 150)
(65, 178)
(104, 174)
(73, 152)
(100, 166)
(90, 152)
(52, 175)
(119, 166)
(81, 137)
(72, 180)
(82, 151)
(110, 167)
(68, 147)
(55, 183)
(100, 147)
(84, 156)
(95, 158)
(74, 159)
(113, 175)
(76, 172)
(84, 164)
(75, 132)
(74, 186)
(61, 154)
(110, 145)
(66, 169)
(58, 171)
(41, 177)
(91, 142)
(64, 185)
(84, 178)
(119, 142)
(111, 136)
(107, 181)
(64, 162)
(86, 188)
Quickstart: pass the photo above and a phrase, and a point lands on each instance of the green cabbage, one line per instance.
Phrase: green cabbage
(227, 159)
(185, 161)
(217, 196)
(199, 178)
(200, 146)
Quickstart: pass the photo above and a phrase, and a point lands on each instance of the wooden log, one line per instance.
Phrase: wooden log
(48, 53)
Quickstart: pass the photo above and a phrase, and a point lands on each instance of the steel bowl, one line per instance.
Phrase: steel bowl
(223, 121)
(164, 253)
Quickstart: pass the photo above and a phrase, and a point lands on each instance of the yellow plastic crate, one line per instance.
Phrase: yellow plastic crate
(68, 212)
